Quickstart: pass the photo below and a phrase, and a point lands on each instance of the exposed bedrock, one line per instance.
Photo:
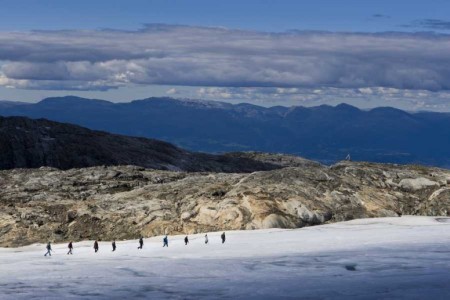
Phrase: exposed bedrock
(124, 202)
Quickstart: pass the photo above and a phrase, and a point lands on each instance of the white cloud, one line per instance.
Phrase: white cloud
(172, 91)
(218, 57)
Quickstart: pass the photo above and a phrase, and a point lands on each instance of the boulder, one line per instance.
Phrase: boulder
(415, 184)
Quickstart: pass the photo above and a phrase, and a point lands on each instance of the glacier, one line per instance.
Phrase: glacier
(380, 258)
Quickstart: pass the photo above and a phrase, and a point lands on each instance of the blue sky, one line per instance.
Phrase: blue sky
(50, 62)
(275, 15)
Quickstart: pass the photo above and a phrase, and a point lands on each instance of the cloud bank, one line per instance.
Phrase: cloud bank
(218, 57)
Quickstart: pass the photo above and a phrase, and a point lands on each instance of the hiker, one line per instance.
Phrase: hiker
(166, 241)
(206, 239)
(223, 237)
(114, 245)
(70, 248)
(96, 246)
(186, 240)
(49, 249)
(141, 242)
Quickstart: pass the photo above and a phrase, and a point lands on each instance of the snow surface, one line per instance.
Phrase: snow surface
(385, 258)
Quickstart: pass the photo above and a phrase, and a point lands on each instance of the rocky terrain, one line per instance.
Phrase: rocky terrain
(124, 202)
(28, 143)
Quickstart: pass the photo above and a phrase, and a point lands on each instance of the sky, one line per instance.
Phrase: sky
(365, 53)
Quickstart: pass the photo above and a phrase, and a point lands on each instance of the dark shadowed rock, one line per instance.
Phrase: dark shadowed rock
(27, 143)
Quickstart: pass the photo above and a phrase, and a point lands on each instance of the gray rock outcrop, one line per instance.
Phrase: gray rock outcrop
(124, 202)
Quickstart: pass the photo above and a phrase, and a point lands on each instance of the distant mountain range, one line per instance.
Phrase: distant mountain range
(322, 133)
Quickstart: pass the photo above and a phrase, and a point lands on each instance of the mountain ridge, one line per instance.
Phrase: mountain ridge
(28, 143)
(73, 99)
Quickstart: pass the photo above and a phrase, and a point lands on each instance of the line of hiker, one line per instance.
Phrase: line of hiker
(141, 244)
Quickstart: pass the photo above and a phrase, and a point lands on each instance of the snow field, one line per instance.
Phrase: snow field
(385, 258)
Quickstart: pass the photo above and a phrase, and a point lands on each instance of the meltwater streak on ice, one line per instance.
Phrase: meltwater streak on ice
(406, 257)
